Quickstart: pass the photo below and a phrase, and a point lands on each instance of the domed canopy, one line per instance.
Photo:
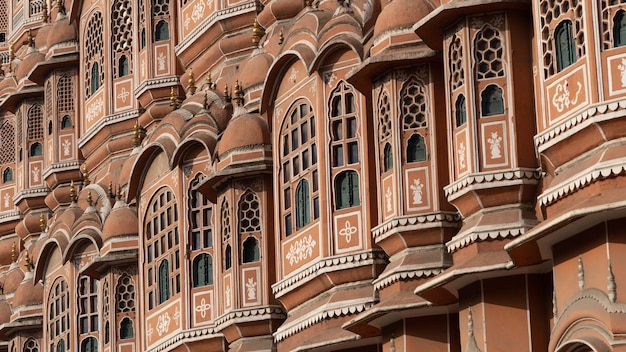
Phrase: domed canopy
(256, 69)
(62, 31)
(122, 221)
(5, 312)
(29, 62)
(244, 131)
(401, 14)
(28, 294)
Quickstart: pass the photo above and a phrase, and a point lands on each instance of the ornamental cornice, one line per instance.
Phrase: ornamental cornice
(481, 233)
(415, 222)
(10, 216)
(405, 273)
(611, 168)
(325, 265)
(30, 193)
(327, 311)
(60, 167)
(493, 179)
(156, 83)
(577, 122)
(250, 314)
(185, 336)
(106, 121)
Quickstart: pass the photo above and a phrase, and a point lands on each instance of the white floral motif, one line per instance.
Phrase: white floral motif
(561, 99)
(202, 308)
(388, 195)
(210, 3)
(6, 200)
(149, 332)
(461, 153)
(95, 109)
(622, 71)
(301, 249)
(347, 231)
(124, 94)
(35, 172)
(161, 62)
(293, 76)
(416, 188)
(251, 289)
(329, 78)
(495, 145)
(164, 323)
(176, 315)
(66, 147)
(227, 296)
(186, 22)
(198, 12)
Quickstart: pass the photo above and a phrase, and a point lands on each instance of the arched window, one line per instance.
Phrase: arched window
(49, 127)
(228, 257)
(7, 175)
(164, 281)
(126, 329)
(619, 28)
(107, 332)
(344, 126)
(491, 101)
(565, 45)
(202, 270)
(36, 149)
(89, 344)
(460, 112)
(387, 158)
(31, 345)
(58, 315)
(303, 211)
(95, 81)
(347, 189)
(87, 304)
(66, 122)
(61, 346)
(36, 127)
(122, 66)
(251, 250)
(161, 31)
(416, 149)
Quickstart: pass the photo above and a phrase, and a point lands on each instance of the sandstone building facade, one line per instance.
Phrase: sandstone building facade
(312, 175)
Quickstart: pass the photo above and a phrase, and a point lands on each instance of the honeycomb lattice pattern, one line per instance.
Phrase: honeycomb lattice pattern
(94, 46)
(607, 37)
(4, 21)
(18, 123)
(553, 11)
(35, 123)
(160, 8)
(225, 221)
(456, 62)
(122, 29)
(31, 346)
(125, 295)
(65, 94)
(105, 300)
(249, 213)
(384, 112)
(48, 99)
(488, 53)
(7, 143)
(414, 108)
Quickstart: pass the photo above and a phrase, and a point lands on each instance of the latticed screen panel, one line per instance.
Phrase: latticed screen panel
(35, 123)
(488, 51)
(121, 29)
(65, 94)
(94, 51)
(249, 213)
(553, 11)
(414, 107)
(457, 72)
(125, 295)
(7, 143)
(384, 118)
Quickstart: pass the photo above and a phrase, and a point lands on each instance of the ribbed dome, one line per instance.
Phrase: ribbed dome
(243, 131)
(279, 10)
(256, 69)
(400, 14)
(41, 38)
(5, 312)
(62, 31)
(31, 59)
(122, 221)
(28, 294)
(12, 280)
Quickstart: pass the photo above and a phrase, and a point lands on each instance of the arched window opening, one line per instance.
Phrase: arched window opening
(126, 329)
(303, 212)
(49, 127)
(619, 28)
(387, 158)
(143, 38)
(107, 332)
(202, 270)
(251, 250)
(565, 45)
(61, 346)
(228, 257)
(416, 149)
(164, 281)
(347, 189)
(66, 122)
(58, 315)
(87, 304)
(460, 111)
(36, 149)
(95, 74)
(7, 175)
(492, 102)
(162, 31)
(122, 66)
(31, 345)
(89, 344)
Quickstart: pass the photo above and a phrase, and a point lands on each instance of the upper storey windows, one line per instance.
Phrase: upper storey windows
(121, 27)
(613, 23)
(4, 22)
(488, 53)
(619, 29)
(565, 45)
(161, 16)
(93, 55)
(457, 72)
(562, 34)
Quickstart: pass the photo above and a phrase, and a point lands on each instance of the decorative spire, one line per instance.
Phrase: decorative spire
(257, 33)
(44, 12)
(30, 40)
(226, 93)
(11, 56)
(471, 346)
(72, 192)
(60, 6)
(13, 253)
(192, 83)
(110, 190)
(86, 181)
(238, 95)
(119, 192)
(173, 100)
(205, 102)
(209, 81)
(42, 222)
(308, 3)
(27, 260)
(281, 37)
(137, 134)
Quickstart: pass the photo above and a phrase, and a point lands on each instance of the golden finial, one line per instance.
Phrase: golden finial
(30, 40)
(42, 222)
(192, 83)
(308, 3)
(72, 192)
(209, 81)
(44, 12)
(89, 200)
(60, 6)
(205, 102)
(119, 192)
(137, 134)
(13, 253)
(11, 52)
(238, 94)
(110, 189)
(27, 260)
(173, 100)
(257, 32)
(281, 37)
(86, 181)
(226, 93)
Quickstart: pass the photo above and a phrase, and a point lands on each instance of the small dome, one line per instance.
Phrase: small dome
(69, 216)
(401, 14)
(28, 294)
(29, 62)
(12, 280)
(41, 39)
(122, 221)
(5, 312)
(256, 68)
(279, 10)
(31, 224)
(62, 31)
(243, 131)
